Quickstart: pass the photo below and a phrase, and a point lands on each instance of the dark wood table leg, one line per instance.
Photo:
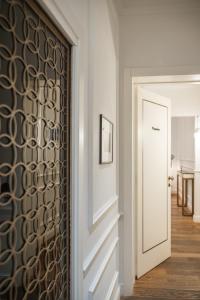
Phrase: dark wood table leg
(192, 196)
(183, 211)
(183, 196)
(178, 191)
(186, 192)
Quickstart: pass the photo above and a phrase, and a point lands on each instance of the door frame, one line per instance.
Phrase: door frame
(64, 22)
(128, 174)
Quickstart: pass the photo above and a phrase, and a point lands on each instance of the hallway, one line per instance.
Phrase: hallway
(179, 276)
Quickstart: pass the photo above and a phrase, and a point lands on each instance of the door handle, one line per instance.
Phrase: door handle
(155, 128)
(170, 178)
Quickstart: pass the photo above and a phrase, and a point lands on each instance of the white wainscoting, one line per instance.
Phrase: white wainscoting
(96, 249)
(101, 269)
(113, 286)
(100, 103)
(95, 218)
(117, 294)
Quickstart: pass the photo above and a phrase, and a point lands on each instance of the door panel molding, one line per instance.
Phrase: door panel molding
(149, 258)
(167, 229)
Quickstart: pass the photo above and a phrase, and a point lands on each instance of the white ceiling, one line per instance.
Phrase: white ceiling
(156, 6)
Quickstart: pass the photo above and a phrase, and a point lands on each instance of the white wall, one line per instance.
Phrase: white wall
(182, 136)
(183, 129)
(95, 25)
(185, 105)
(185, 97)
(156, 38)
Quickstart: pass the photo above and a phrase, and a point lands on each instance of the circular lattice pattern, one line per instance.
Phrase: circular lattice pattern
(34, 153)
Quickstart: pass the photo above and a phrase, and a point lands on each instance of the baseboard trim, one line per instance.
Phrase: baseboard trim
(127, 290)
(196, 219)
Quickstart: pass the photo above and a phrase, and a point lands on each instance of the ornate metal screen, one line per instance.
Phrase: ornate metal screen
(35, 155)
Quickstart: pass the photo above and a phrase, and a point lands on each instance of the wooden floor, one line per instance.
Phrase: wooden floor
(179, 276)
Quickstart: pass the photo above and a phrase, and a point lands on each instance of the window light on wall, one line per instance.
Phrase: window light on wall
(197, 126)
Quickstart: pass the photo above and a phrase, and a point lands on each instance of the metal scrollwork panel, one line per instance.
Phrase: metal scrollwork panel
(34, 155)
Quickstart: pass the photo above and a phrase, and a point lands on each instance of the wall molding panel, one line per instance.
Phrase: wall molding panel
(97, 172)
(112, 287)
(101, 269)
(96, 249)
(95, 218)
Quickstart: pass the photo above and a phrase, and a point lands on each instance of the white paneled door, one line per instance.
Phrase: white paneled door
(154, 192)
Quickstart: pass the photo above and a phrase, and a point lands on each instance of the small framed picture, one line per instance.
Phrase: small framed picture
(106, 141)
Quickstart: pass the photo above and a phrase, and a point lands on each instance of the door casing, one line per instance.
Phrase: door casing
(62, 21)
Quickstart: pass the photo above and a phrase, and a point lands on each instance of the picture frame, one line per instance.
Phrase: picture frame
(106, 141)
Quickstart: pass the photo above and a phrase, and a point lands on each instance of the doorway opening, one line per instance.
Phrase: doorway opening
(170, 279)
(173, 273)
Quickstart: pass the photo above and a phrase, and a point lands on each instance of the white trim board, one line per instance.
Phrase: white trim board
(77, 281)
(128, 172)
(112, 286)
(95, 218)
